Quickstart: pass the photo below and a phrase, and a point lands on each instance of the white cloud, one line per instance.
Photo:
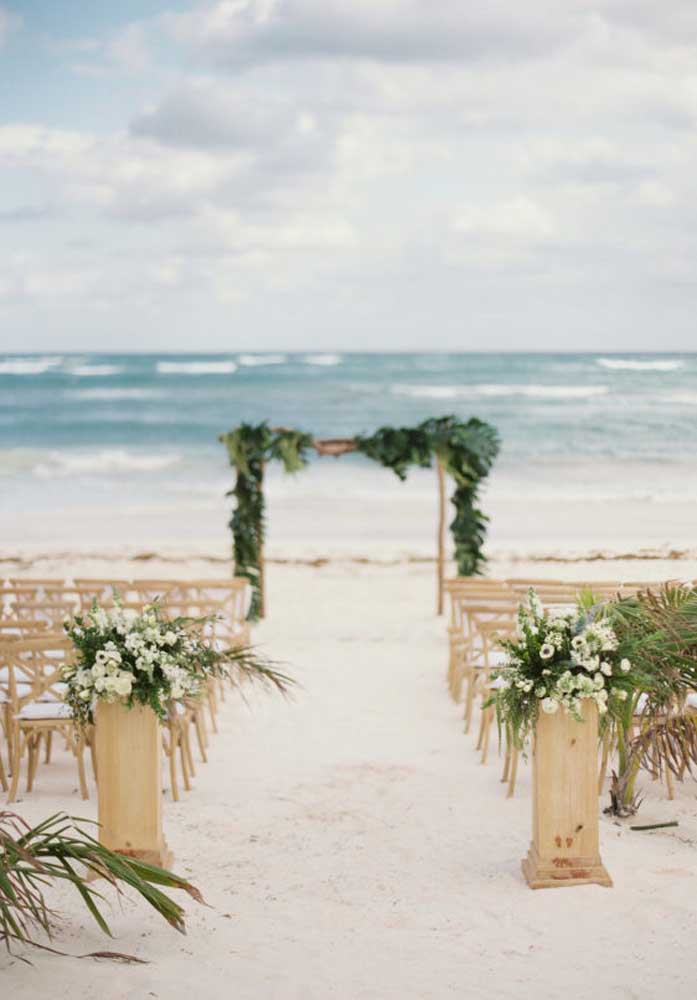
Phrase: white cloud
(235, 32)
(518, 219)
(368, 160)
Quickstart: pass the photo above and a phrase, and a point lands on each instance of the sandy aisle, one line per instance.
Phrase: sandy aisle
(351, 846)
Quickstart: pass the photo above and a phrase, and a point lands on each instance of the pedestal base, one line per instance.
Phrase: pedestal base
(162, 858)
(563, 871)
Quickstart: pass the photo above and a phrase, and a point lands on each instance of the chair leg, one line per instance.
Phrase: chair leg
(171, 753)
(79, 750)
(514, 772)
(213, 707)
(469, 677)
(15, 761)
(93, 755)
(488, 715)
(184, 764)
(32, 760)
(3, 776)
(507, 758)
(603, 763)
(49, 743)
(670, 785)
(200, 733)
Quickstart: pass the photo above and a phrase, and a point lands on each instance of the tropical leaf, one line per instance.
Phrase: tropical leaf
(60, 850)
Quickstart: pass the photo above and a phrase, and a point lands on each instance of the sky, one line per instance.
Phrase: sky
(348, 174)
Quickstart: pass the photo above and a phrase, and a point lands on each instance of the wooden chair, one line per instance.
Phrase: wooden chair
(38, 713)
(176, 744)
(49, 615)
(102, 591)
(471, 656)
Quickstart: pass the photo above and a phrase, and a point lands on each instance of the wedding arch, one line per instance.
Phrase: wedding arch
(465, 450)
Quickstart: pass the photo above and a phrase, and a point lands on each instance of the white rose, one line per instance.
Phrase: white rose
(549, 705)
(98, 670)
(625, 666)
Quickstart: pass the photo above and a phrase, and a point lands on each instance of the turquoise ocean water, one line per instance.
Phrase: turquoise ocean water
(80, 429)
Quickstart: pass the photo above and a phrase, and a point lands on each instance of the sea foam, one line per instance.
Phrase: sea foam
(113, 394)
(112, 460)
(322, 359)
(254, 360)
(95, 371)
(502, 390)
(28, 366)
(196, 367)
(623, 364)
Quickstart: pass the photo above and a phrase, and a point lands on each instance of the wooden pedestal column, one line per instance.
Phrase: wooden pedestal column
(129, 782)
(565, 846)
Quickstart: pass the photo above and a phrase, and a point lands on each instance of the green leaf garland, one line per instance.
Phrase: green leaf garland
(466, 449)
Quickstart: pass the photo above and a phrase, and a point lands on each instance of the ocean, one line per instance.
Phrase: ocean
(89, 430)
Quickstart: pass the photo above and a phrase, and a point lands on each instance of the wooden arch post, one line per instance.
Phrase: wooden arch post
(336, 447)
(441, 535)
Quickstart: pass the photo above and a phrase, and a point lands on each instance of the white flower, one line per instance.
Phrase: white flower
(622, 695)
(123, 685)
(625, 666)
(169, 638)
(85, 695)
(606, 668)
(547, 651)
(98, 670)
(549, 705)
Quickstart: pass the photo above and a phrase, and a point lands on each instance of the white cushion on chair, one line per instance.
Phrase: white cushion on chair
(498, 658)
(35, 712)
(498, 684)
(641, 704)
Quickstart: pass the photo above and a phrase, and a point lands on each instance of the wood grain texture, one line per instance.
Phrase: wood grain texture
(565, 840)
(129, 761)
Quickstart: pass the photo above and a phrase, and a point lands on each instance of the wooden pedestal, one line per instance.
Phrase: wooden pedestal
(565, 846)
(129, 782)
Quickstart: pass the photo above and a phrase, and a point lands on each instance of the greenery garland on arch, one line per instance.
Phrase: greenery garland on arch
(466, 450)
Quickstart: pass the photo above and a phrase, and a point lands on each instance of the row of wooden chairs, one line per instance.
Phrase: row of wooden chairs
(483, 613)
(33, 645)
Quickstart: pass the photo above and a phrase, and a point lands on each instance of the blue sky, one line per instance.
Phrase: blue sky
(298, 174)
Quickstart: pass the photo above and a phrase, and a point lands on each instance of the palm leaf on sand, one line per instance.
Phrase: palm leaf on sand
(60, 850)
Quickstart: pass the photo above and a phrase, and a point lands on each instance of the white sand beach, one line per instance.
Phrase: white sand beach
(350, 845)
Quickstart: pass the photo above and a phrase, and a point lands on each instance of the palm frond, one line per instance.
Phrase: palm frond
(60, 850)
(669, 744)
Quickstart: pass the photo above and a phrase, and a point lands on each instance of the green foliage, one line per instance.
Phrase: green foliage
(59, 850)
(249, 448)
(149, 659)
(466, 449)
(556, 661)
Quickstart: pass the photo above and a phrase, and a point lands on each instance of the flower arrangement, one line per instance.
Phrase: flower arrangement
(559, 659)
(146, 658)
